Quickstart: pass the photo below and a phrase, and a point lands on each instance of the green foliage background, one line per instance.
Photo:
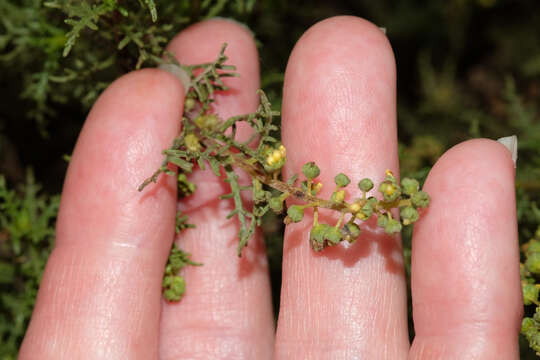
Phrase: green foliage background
(466, 68)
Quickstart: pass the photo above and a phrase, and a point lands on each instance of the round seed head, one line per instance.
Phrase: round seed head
(365, 185)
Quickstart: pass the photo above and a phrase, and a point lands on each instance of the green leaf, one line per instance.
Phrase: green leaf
(152, 7)
(181, 163)
(214, 164)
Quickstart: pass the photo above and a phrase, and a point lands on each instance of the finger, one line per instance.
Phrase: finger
(100, 294)
(339, 110)
(226, 311)
(465, 261)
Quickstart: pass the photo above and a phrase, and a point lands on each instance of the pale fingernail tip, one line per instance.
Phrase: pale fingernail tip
(236, 22)
(511, 143)
(179, 73)
(383, 29)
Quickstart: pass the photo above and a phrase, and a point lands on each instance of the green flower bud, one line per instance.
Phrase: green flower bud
(207, 122)
(342, 180)
(276, 204)
(333, 235)
(367, 209)
(530, 293)
(373, 201)
(533, 263)
(392, 226)
(22, 222)
(192, 142)
(382, 220)
(389, 190)
(420, 199)
(528, 327)
(185, 187)
(189, 104)
(365, 185)
(318, 233)
(295, 213)
(533, 246)
(409, 186)
(310, 170)
(350, 232)
(408, 215)
(317, 236)
(390, 177)
(338, 196)
(175, 287)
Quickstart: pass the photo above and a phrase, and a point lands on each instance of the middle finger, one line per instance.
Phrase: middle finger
(339, 111)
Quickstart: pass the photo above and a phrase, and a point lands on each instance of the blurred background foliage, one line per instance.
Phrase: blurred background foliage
(466, 68)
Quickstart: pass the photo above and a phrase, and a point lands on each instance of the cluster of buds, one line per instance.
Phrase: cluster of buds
(407, 197)
(274, 158)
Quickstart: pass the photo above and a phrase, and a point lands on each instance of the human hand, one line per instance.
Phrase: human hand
(100, 297)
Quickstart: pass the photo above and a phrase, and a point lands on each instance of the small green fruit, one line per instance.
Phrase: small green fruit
(382, 220)
(333, 235)
(311, 170)
(409, 186)
(420, 199)
(389, 190)
(533, 263)
(530, 294)
(276, 204)
(392, 226)
(365, 185)
(295, 213)
(342, 180)
(408, 215)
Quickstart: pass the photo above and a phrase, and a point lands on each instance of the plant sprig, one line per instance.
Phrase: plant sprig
(208, 140)
(530, 271)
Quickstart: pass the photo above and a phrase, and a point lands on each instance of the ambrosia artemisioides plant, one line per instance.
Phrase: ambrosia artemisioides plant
(208, 140)
(530, 272)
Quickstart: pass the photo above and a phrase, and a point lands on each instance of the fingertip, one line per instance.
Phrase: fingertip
(466, 243)
(478, 157)
(351, 30)
(341, 99)
(120, 144)
(201, 43)
(207, 35)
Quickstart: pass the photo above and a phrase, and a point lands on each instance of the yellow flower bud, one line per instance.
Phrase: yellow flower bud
(339, 196)
(317, 187)
(355, 207)
(192, 142)
(361, 216)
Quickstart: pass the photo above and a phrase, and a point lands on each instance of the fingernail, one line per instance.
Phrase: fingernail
(383, 29)
(179, 73)
(511, 143)
(234, 21)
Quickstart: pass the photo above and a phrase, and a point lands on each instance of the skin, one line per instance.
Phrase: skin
(100, 294)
